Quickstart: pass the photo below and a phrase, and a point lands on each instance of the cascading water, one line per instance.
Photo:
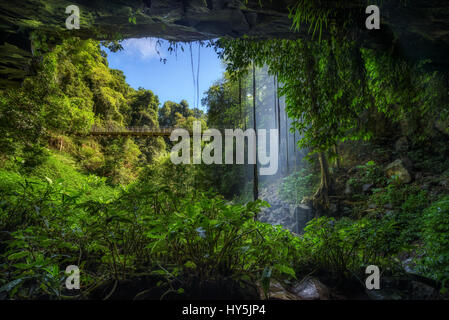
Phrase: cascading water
(271, 114)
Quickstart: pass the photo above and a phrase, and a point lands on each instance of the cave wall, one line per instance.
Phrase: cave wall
(417, 30)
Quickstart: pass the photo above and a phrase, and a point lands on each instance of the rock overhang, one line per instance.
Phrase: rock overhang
(417, 30)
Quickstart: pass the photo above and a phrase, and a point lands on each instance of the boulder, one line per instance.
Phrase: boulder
(423, 291)
(311, 289)
(409, 265)
(398, 169)
(276, 292)
(280, 212)
(408, 286)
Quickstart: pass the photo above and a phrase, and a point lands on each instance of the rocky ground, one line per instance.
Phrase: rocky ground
(280, 212)
(293, 217)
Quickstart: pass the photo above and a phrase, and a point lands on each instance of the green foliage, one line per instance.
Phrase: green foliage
(435, 261)
(227, 107)
(121, 158)
(298, 185)
(311, 13)
(431, 157)
(206, 238)
(33, 155)
(185, 240)
(227, 102)
(369, 173)
(345, 247)
(399, 195)
(407, 94)
(406, 204)
(321, 84)
(178, 115)
(333, 87)
(160, 222)
(73, 89)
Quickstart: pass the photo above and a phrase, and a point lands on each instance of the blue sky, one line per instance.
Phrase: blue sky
(170, 81)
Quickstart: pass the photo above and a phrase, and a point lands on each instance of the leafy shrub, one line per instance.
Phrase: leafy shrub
(435, 262)
(186, 241)
(369, 173)
(207, 239)
(346, 247)
(34, 155)
(298, 185)
(90, 155)
(406, 205)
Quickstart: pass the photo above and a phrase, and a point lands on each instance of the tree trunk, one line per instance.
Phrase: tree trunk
(337, 157)
(275, 105)
(286, 138)
(295, 146)
(277, 101)
(240, 101)
(321, 197)
(256, 178)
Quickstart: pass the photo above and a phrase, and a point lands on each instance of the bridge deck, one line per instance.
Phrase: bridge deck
(130, 133)
(135, 132)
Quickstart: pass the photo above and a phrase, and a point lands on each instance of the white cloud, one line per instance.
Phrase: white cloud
(144, 48)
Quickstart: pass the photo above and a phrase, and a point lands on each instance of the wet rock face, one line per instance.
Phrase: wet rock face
(292, 217)
(280, 212)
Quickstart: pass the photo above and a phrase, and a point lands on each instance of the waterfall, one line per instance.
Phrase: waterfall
(271, 114)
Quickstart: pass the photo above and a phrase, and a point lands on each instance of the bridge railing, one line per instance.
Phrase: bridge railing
(136, 129)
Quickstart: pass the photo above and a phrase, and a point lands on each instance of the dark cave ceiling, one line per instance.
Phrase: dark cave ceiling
(417, 30)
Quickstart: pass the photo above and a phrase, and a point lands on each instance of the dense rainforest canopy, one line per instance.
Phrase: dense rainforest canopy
(364, 174)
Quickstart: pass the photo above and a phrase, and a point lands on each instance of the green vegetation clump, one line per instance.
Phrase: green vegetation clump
(369, 173)
(435, 260)
(74, 89)
(298, 185)
(342, 247)
(145, 228)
